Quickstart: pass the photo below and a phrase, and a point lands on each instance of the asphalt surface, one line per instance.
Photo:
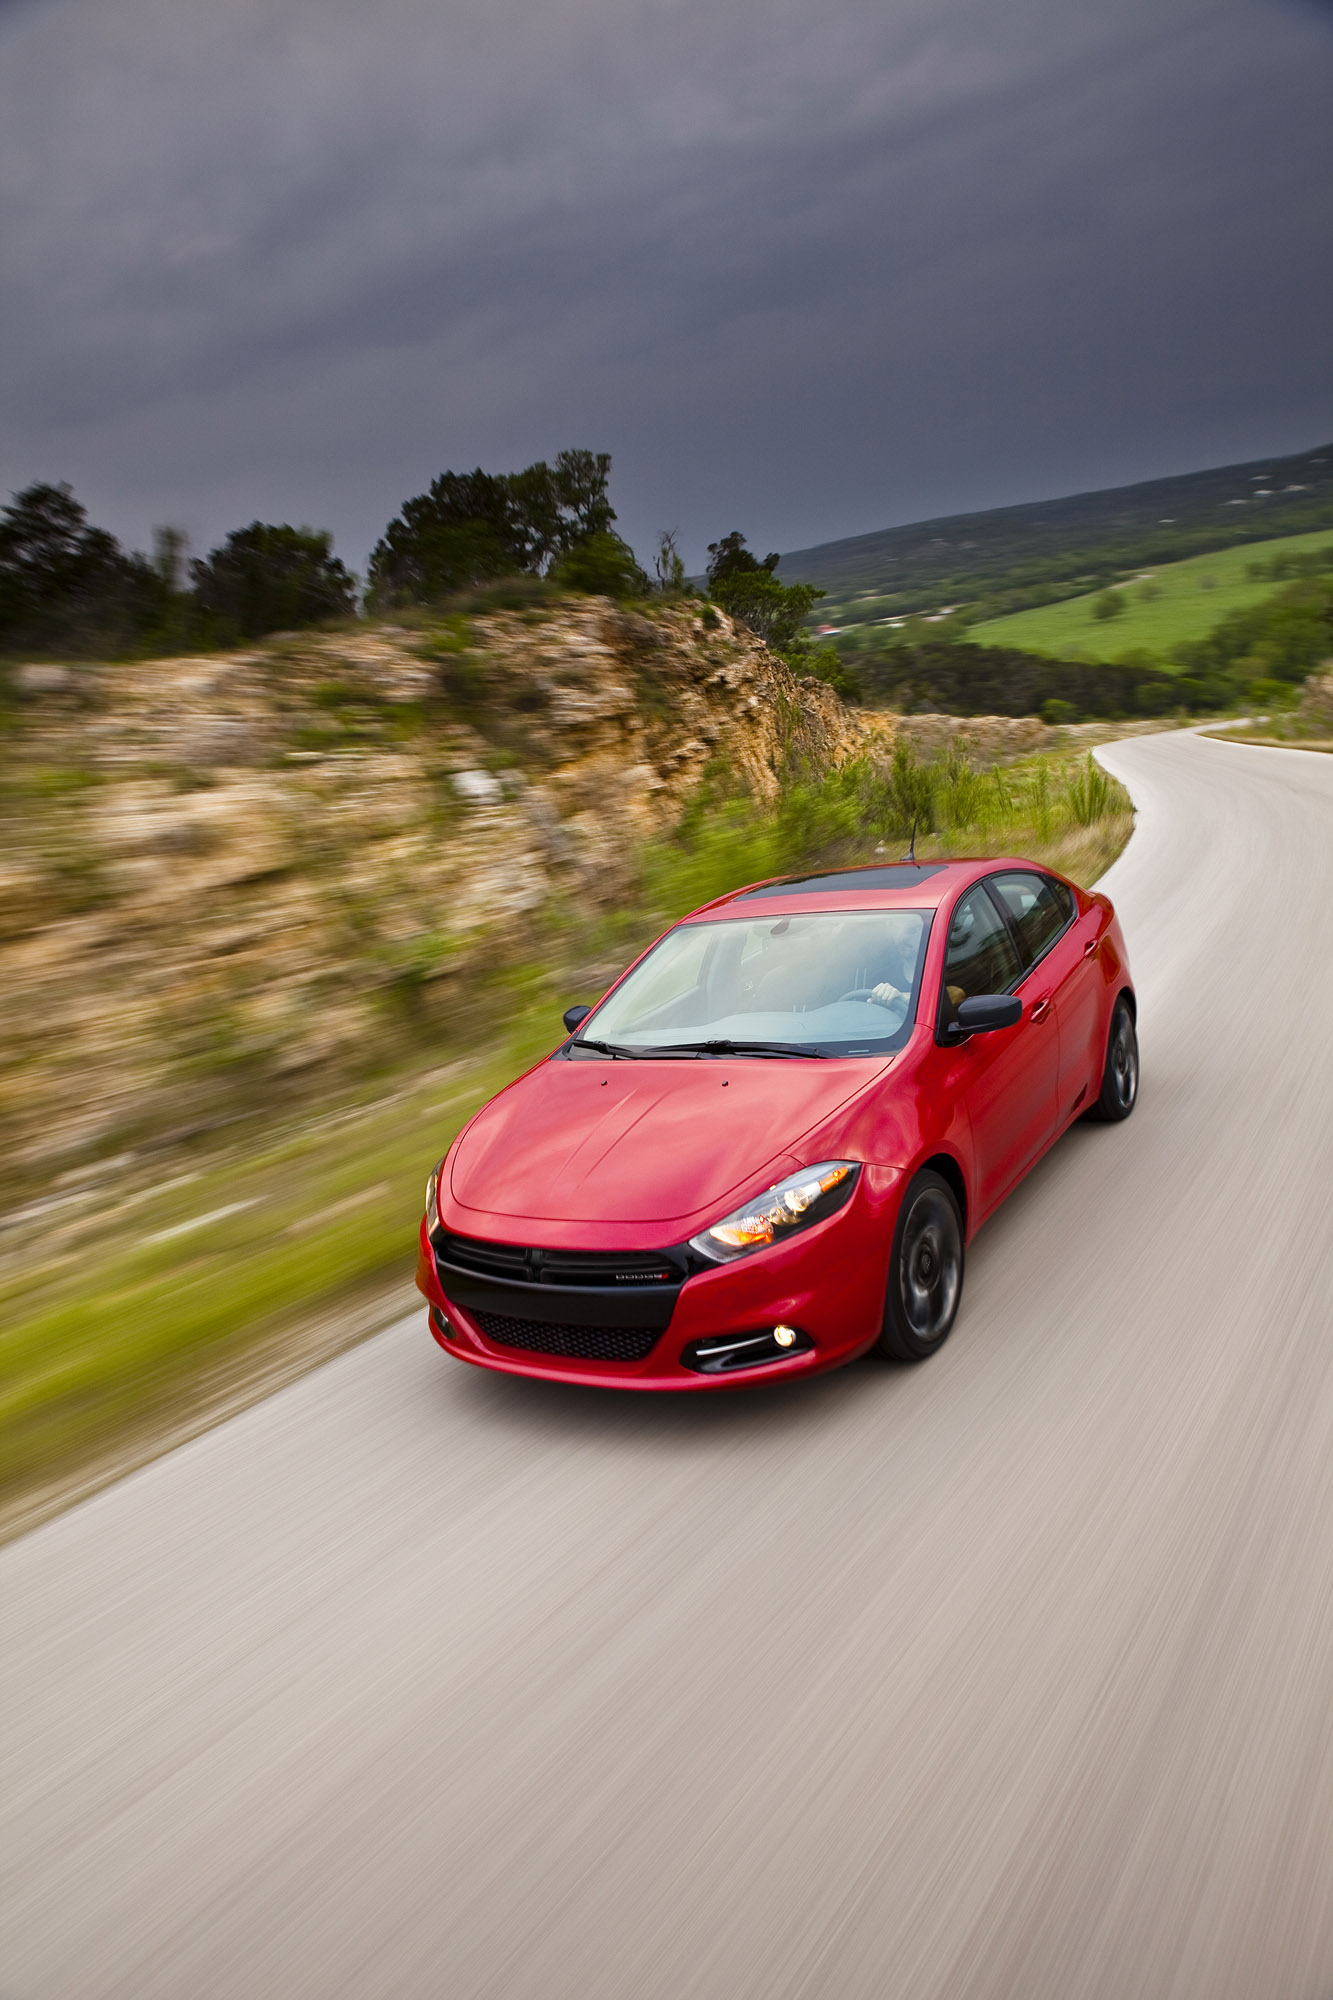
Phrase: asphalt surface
(1009, 1675)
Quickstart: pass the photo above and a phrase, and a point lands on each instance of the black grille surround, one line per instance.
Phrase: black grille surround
(512, 1261)
(575, 1343)
(604, 1305)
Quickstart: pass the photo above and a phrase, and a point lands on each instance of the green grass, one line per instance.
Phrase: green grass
(114, 1320)
(1178, 602)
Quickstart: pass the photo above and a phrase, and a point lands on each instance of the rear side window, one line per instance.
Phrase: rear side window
(979, 956)
(1039, 907)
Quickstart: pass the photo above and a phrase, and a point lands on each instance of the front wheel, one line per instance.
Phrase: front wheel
(925, 1271)
(1120, 1073)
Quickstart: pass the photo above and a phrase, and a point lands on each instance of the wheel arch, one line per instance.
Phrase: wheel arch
(1126, 994)
(948, 1169)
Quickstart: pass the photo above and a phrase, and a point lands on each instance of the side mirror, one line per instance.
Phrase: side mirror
(985, 1012)
(574, 1016)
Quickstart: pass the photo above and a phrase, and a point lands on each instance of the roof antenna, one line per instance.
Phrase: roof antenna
(911, 845)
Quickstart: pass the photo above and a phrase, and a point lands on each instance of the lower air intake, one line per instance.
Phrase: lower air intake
(577, 1343)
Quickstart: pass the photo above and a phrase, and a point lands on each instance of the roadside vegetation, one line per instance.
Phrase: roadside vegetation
(1297, 720)
(139, 1301)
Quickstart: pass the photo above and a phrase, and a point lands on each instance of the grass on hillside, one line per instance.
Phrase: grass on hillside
(1178, 602)
(1004, 559)
(130, 1307)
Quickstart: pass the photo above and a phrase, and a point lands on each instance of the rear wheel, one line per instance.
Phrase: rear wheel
(1120, 1074)
(925, 1271)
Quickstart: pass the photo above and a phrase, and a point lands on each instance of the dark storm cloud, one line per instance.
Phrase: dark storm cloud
(803, 270)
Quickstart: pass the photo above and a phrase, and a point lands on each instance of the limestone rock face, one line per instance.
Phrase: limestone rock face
(220, 872)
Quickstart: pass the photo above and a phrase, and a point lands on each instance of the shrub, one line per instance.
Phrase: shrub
(1156, 695)
(1089, 792)
(603, 566)
(750, 591)
(825, 664)
(1271, 694)
(912, 790)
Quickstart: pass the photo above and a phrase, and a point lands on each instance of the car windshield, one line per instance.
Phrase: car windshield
(830, 982)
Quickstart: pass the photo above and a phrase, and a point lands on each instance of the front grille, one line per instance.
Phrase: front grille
(607, 1267)
(611, 1268)
(492, 1260)
(577, 1343)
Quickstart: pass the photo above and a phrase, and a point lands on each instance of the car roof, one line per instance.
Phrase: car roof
(889, 885)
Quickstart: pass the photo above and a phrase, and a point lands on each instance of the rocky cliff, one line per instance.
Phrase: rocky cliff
(238, 875)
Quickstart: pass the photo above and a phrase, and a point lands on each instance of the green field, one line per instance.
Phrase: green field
(1164, 607)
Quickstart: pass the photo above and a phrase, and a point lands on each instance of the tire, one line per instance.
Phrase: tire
(925, 1271)
(1120, 1072)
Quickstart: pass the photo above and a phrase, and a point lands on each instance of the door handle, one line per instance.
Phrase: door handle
(1093, 945)
(1041, 1008)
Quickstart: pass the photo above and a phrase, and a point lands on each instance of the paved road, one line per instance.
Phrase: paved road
(1012, 1675)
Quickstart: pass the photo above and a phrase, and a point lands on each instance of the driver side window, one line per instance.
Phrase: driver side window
(979, 956)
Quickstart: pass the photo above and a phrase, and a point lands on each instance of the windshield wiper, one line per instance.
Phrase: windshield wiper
(727, 1047)
(614, 1049)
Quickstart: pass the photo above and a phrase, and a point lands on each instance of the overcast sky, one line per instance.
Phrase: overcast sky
(806, 270)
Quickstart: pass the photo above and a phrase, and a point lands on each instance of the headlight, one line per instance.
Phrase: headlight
(793, 1204)
(433, 1198)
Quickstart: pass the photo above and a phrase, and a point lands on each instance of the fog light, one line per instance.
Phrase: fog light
(441, 1320)
(724, 1354)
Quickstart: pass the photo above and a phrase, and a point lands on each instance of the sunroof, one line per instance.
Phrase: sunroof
(892, 875)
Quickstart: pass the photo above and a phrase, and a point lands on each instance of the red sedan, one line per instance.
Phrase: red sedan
(763, 1151)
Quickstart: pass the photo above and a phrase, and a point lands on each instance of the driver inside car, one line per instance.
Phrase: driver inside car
(894, 990)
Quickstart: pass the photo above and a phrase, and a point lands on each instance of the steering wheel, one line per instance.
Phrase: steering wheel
(857, 993)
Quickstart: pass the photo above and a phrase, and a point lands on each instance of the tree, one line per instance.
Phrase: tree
(66, 586)
(732, 558)
(603, 566)
(669, 565)
(464, 531)
(749, 590)
(1109, 605)
(169, 548)
(470, 528)
(580, 488)
(267, 578)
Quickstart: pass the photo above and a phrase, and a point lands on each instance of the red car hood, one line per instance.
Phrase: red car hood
(643, 1141)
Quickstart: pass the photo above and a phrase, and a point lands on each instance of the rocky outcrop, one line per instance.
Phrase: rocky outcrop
(224, 878)
(227, 876)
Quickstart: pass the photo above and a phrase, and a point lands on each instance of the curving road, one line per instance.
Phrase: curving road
(1008, 1676)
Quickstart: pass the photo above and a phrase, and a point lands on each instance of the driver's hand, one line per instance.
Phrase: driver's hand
(886, 994)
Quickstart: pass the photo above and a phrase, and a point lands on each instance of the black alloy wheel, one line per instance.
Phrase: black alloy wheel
(1120, 1074)
(925, 1271)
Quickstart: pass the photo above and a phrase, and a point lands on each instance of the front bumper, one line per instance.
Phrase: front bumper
(827, 1282)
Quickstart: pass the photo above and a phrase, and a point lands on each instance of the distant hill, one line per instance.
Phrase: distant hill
(1011, 557)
